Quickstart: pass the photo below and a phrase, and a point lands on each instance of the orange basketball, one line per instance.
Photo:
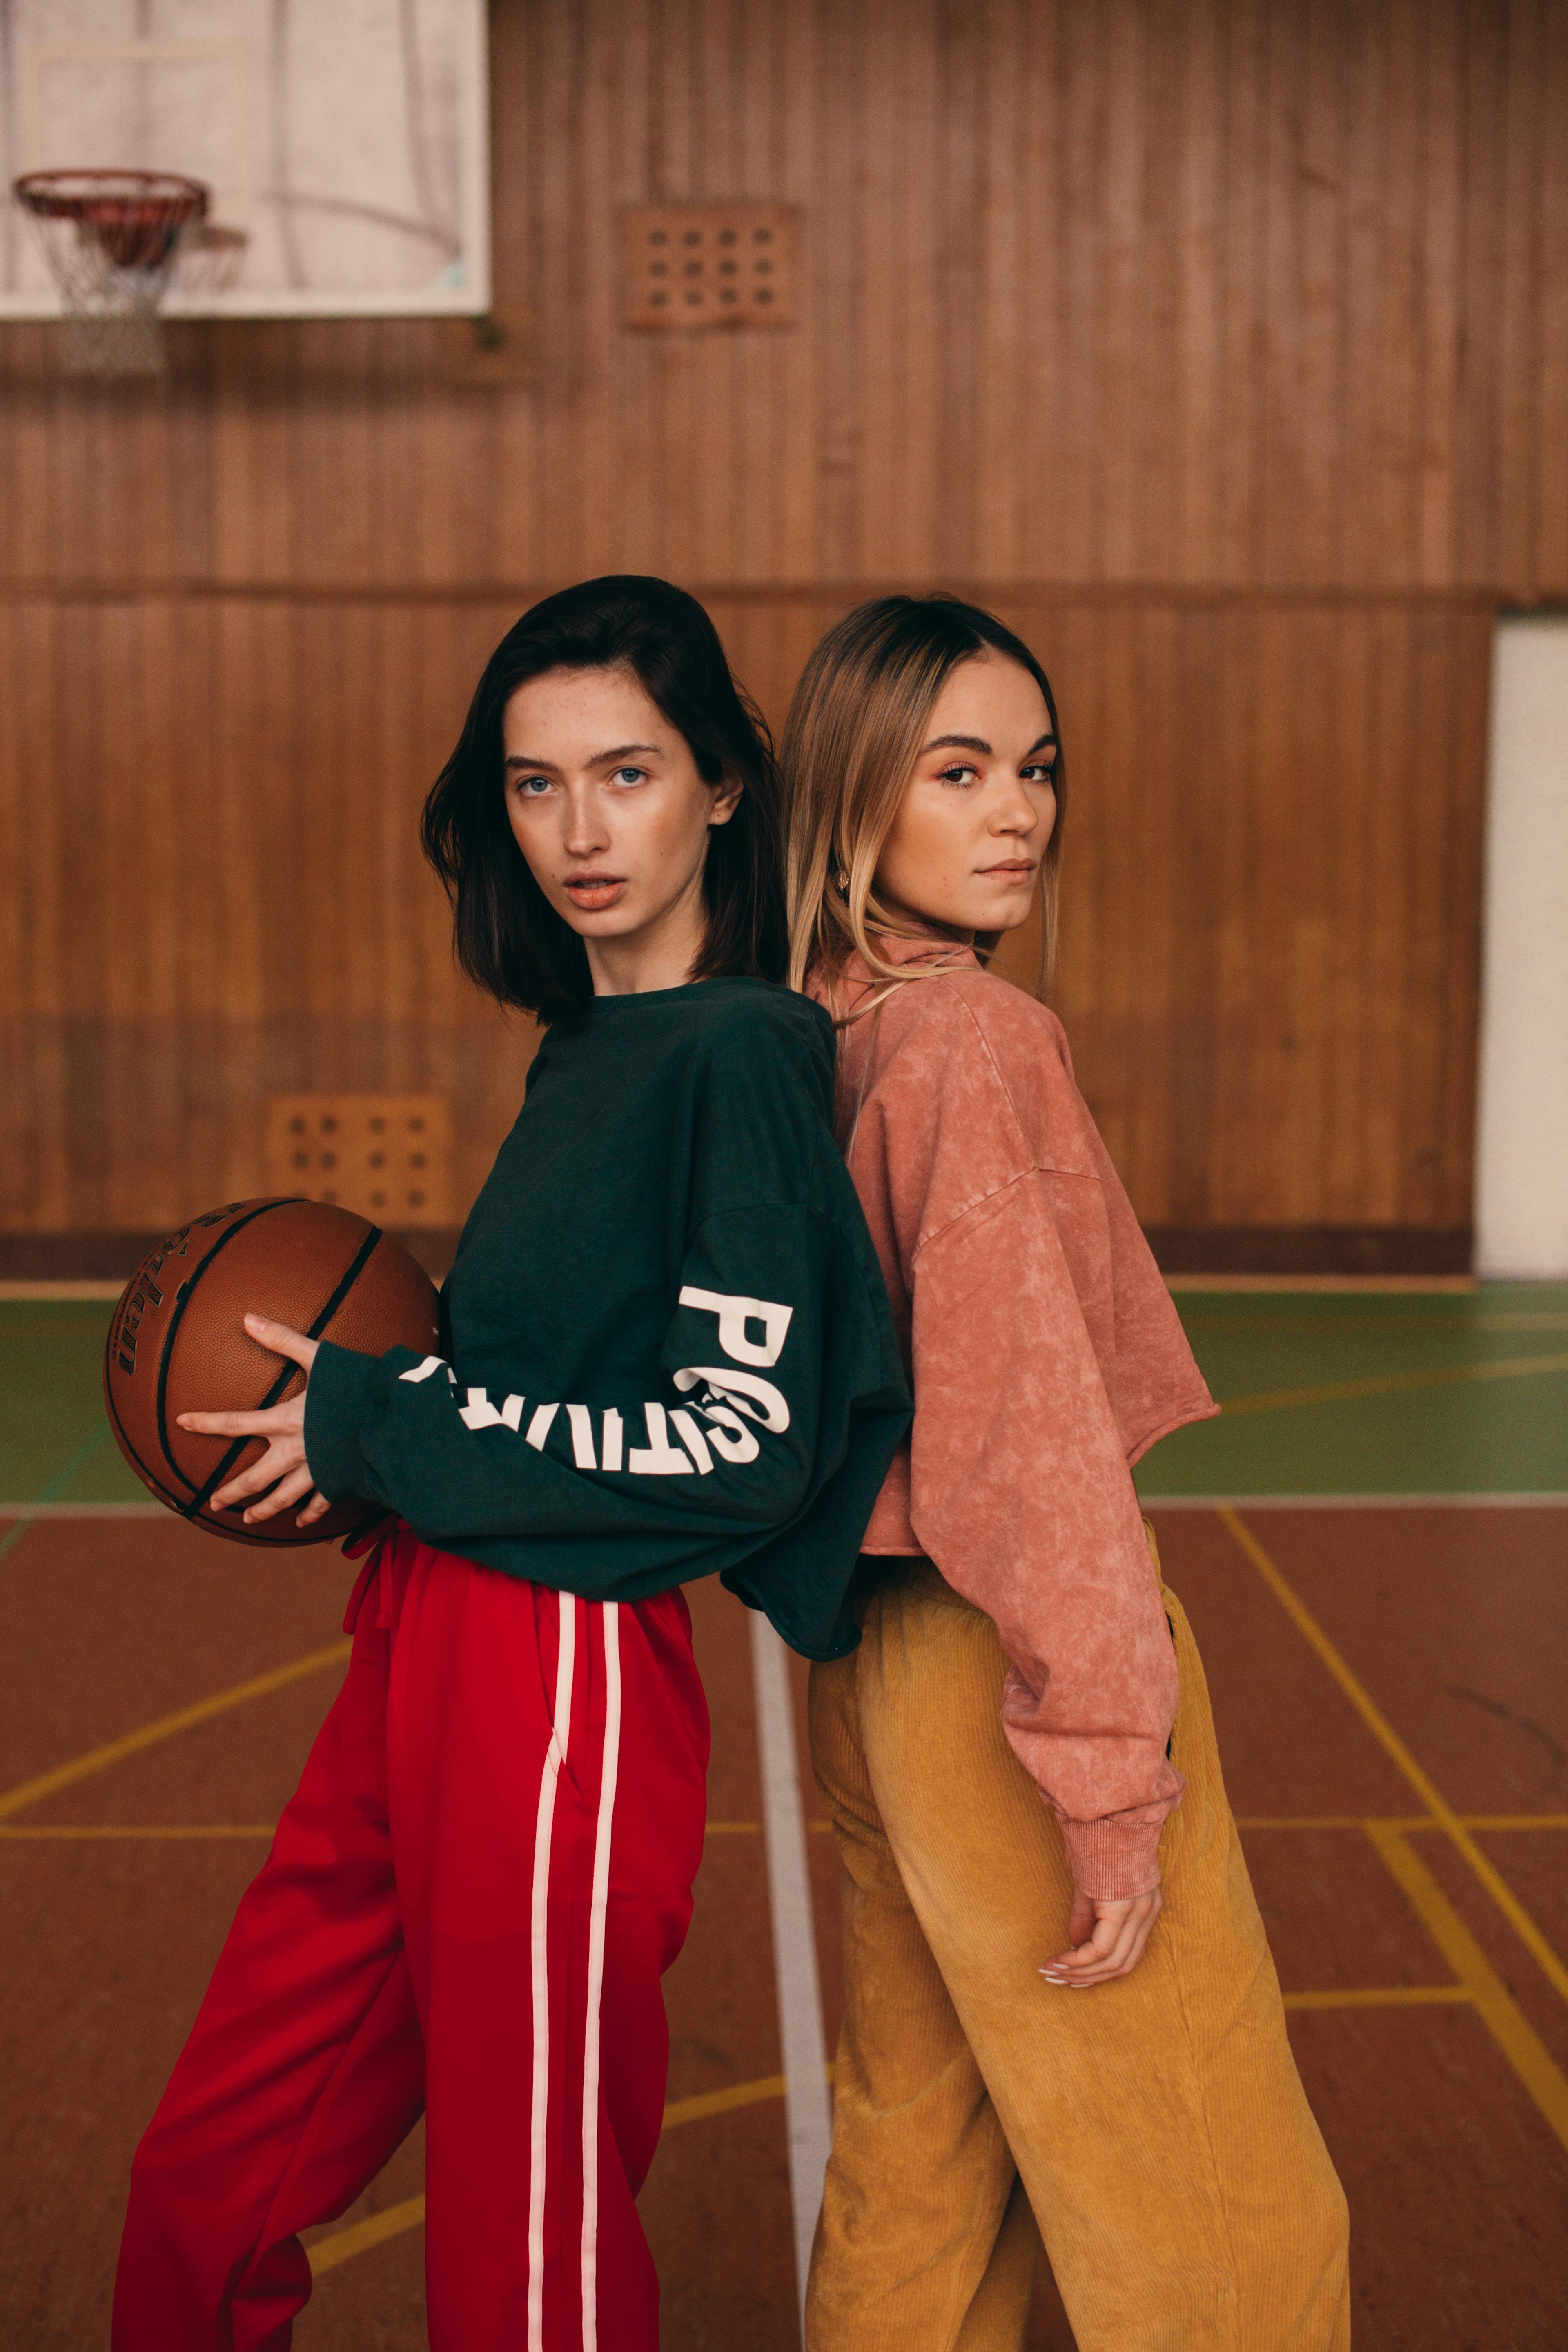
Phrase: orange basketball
(177, 1344)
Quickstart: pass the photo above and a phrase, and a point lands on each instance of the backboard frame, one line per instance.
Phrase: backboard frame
(26, 145)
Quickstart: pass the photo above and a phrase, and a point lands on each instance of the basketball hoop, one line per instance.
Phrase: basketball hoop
(112, 240)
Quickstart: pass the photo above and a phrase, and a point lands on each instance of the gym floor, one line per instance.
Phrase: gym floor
(1371, 1544)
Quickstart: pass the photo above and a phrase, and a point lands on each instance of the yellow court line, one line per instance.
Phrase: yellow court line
(138, 1829)
(1503, 1368)
(1405, 1821)
(1381, 1997)
(1412, 1822)
(752, 1829)
(720, 2102)
(1383, 1731)
(113, 1751)
(1508, 1821)
(344, 2244)
(1316, 1821)
(1518, 2040)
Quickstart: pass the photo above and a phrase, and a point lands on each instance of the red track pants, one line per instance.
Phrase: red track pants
(467, 1908)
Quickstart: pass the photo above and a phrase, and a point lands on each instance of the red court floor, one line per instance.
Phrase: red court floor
(1391, 1691)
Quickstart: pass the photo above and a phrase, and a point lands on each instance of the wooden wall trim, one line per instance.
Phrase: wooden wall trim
(1368, 1251)
(1106, 595)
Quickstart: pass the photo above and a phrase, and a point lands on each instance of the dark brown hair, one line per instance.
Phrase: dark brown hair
(506, 934)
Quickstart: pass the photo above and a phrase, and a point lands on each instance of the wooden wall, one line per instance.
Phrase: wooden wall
(1221, 347)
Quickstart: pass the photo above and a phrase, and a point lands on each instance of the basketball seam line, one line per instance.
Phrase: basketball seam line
(123, 1439)
(183, 1298)
(318, 1325)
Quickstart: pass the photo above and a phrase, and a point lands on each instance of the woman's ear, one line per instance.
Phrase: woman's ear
(725, 798)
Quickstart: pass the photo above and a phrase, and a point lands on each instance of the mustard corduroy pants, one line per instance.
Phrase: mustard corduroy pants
(1155, 2131)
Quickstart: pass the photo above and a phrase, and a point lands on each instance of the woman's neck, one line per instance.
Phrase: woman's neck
(911, 919)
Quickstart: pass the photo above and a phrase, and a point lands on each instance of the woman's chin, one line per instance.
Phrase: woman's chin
(1007, 909)
(608, 922)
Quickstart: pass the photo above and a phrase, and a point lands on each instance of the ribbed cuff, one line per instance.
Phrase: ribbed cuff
(339, 1398)
(1111, 1861)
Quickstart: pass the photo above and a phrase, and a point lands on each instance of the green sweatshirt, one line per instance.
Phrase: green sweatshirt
(669, 1347)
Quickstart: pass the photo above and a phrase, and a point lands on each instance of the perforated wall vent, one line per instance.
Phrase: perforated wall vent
(387, 1156)
(709, 266)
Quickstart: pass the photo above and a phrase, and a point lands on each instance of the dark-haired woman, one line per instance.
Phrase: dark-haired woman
(1019, 1757)
(668, 1353)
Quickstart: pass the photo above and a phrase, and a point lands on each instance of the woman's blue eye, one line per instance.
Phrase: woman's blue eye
(533, 785)
(629, 775)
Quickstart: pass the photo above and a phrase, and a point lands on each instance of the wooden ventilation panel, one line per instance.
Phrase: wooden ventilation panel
(387, 1156)
(709, 266)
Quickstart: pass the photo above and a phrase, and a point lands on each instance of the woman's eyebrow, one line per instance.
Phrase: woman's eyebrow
(599, 760)
(978, 743)
(623, 751)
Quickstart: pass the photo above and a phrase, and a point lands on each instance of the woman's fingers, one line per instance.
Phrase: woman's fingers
(1095, 1947)
(1113, 1948)
(282, 1468)
(288, 1491)
(1080, 1925)
(230, 1425)
(278, 1462)
(279, 1339)
(282, 1339)
(279, 1421)
(314, 1509)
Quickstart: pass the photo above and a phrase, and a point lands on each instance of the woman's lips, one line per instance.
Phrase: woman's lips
(1017, 870)
(594, 891)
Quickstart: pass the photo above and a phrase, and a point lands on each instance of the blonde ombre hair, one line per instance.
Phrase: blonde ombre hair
(854, 731)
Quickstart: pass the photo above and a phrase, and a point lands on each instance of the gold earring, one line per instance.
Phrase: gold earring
(841, 882)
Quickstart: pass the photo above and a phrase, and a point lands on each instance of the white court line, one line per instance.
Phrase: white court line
(1556, 1499)
(806, 2118)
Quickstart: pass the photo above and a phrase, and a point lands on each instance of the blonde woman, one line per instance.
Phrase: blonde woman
(1019, 1759)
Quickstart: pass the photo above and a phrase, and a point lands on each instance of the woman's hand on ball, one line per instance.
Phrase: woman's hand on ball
(283, 1467)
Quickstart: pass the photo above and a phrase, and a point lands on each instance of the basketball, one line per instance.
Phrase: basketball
(177, 1343)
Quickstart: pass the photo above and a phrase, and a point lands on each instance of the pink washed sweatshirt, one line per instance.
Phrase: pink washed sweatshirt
(1045, 1356)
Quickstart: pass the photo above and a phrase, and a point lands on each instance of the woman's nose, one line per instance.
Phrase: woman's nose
(1015, 812)
(584, 829)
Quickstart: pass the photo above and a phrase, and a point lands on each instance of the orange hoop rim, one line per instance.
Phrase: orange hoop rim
(99, 195)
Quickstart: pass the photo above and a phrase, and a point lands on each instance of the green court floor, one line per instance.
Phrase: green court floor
(1374, 1392)
(1363, 1392)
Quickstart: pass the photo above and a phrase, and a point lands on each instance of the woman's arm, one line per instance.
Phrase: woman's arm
(1021, 1493)
(771, 1352)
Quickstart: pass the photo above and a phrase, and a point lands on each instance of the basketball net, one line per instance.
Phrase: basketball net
(112, 240)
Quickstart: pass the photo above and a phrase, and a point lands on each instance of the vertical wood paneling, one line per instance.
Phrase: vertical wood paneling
(1221, 343)
(1188, 290)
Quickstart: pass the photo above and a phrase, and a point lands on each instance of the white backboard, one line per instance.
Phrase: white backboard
(345, 139)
